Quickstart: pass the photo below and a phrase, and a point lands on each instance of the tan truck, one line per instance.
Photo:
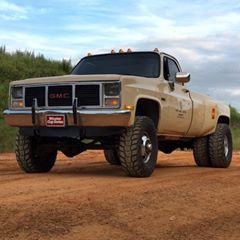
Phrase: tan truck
(130, 104)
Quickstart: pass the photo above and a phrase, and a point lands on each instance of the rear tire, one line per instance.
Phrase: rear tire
(138, 148)
(220, 146)
(201, 152)
(112, 157)
(33, 157)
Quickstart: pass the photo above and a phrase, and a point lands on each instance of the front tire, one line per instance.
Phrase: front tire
(220, 146)
(33, 157)
(138, 148)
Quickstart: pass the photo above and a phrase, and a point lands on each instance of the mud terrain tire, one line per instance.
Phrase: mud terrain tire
(201, 152)
(138, 148)
(33, 157)
(220, 146)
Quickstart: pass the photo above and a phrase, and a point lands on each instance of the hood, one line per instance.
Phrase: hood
(67, 79)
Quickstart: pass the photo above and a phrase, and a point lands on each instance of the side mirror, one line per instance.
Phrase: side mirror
(182, 77)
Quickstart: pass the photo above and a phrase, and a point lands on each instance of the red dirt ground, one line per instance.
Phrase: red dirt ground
(86, 198)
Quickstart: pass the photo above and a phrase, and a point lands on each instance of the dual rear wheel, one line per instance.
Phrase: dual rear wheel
(214, 150)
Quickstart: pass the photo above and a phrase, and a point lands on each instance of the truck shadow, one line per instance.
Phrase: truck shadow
(106, 170)
(99, 169)
(175, 166)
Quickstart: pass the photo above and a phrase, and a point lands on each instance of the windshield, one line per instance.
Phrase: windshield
(143, 64)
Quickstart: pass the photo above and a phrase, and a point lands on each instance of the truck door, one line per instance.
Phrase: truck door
(177, 101)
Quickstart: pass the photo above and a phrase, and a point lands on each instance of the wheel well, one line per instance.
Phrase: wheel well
(223, 119)
(148, 108)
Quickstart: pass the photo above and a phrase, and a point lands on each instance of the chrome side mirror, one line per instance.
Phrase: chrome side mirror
(182, 77)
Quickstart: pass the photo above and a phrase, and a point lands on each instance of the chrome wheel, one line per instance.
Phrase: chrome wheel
(146, 148)
(226, 147)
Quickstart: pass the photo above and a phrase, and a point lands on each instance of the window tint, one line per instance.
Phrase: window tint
(170, 69)
(173, 69)
(165, 68)
(144, 64)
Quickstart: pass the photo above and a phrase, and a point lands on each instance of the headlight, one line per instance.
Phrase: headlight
(17, 92)
(111, 94)
(112, 89)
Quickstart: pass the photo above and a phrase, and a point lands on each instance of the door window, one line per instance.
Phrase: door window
(170, 69)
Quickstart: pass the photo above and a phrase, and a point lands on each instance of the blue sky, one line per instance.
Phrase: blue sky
(203, 35)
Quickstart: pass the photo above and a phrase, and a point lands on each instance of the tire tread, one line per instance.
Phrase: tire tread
(201, 152)
(216, 146)
(27, 159)
(129, 149)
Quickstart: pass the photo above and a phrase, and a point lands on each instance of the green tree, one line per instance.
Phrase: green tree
(235, 117)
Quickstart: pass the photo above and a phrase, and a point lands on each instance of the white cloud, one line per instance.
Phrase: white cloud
(11, 11)
(37, 43)
(8, 6)
(12, 17)
(231, 18)
(204, 36)
(233, 92)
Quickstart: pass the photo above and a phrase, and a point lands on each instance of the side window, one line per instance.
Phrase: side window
(165, 68)
(173, 69)
(170, 69)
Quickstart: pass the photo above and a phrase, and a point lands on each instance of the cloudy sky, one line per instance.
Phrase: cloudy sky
(203, 35)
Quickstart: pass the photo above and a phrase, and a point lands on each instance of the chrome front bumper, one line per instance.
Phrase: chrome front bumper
(81, 118)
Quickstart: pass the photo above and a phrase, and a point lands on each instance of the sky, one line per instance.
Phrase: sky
(203, 35)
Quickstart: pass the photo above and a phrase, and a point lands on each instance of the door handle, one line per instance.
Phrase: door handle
(171, 85)
(185, 90)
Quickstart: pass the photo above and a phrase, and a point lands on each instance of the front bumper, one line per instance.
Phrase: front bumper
(81, 118)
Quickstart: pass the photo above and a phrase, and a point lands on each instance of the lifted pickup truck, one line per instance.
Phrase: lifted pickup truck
(130, 104)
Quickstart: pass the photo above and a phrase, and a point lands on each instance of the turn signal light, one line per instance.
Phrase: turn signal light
(128, 107)
(112, 102)
(213, 113)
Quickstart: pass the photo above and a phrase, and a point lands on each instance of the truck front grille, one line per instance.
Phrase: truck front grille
(60, 96)
(63, 95)
(88, 95)
(35, 92)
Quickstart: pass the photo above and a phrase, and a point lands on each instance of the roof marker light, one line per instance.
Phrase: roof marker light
(121, 50)
(129, 50)
(89, 54)
(113, 51)
(156, 50)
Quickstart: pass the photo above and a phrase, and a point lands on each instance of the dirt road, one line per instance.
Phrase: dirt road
(86, 198)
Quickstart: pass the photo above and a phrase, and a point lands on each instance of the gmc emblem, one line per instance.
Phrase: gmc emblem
(59, 95)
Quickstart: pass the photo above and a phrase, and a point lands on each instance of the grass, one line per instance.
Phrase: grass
(7, 137)
(236, 138)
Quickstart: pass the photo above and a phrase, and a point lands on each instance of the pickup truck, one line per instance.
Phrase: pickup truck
(130, 104)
